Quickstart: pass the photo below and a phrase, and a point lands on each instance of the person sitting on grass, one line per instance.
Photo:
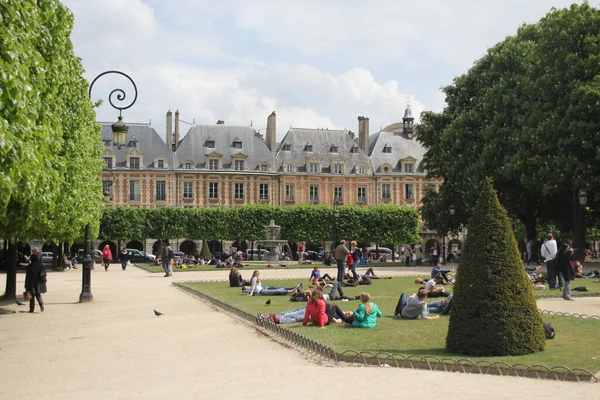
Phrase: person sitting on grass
(432, 291)
(316, 275)
(336, 293)
(257, 289)
(414, 307)
(371, 274)
(332, 312)
(365, 316)
(445, 273)
(235, 278)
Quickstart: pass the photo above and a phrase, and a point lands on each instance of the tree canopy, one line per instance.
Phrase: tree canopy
(50, 142)
(526, 114)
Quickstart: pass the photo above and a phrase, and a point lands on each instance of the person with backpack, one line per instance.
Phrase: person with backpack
(35, 280)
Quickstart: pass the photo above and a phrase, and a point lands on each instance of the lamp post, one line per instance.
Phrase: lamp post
(119, 130)
(452, 211)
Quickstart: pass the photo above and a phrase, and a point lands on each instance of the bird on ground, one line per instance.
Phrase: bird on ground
(19, 303)
(268, 302)
(158, 313)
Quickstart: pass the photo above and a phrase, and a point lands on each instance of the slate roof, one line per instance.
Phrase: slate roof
(321, 141)
(401, 146)
(193, 147)
(146, 139)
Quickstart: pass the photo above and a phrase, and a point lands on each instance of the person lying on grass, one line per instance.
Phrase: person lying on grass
(371, 274)
(365, 316)
(257, 289)
(336, 293)
(416, 306)
(332, 312)
(445, 273)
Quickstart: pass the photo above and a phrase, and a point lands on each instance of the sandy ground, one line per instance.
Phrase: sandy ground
(115, 348)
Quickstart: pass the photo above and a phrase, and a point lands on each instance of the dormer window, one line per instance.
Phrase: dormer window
(333, 149)
(387, 149)
(361, 170)
(237, 144)
(107, 142)
(354, 150)
(109, 162)
(409, 168)
(210, 144)
(133, 143)
(264, 167)
(239, 165)
(188, 165)
(213, 164)
(338, 168)
(290, 168)
(134, 162)
(314, 168)
(287, 147)
(308, 148)
(160, 163)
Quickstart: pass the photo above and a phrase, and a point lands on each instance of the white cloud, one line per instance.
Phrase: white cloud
(317, 64)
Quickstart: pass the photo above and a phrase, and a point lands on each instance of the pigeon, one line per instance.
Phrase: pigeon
(157, 313)
(19, 303)
(268, 302)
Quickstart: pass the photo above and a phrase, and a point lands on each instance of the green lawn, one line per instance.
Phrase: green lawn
(570, 348)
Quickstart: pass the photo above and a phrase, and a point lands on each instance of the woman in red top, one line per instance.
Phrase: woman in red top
(315, 309)
(106, 257)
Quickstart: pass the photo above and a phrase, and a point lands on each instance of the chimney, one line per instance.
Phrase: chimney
(220, 122)
(271, 131)
(169, 129)
(176, 141)
(363, 133)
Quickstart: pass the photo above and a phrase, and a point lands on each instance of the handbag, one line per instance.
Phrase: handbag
(26, 295)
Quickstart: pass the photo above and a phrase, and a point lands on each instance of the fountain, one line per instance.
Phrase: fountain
(272, 243)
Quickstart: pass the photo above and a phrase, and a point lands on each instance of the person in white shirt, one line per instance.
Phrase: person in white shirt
(432, 291)
(548, 252)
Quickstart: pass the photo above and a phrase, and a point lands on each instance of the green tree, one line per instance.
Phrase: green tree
(50, 143)
(526, 115)
(494, 310)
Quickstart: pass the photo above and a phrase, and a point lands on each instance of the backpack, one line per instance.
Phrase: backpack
(549, 331)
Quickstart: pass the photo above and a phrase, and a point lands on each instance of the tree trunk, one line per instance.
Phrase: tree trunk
(11, 272)
(578, 228)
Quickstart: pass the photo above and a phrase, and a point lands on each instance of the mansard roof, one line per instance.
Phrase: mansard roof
(146, 140)
(254, 149)
(401, 148)
(322, 142)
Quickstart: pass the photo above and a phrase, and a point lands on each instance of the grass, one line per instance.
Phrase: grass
(573, 346)
(251, 267)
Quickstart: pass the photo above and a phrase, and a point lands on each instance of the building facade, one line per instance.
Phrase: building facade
(226, 165)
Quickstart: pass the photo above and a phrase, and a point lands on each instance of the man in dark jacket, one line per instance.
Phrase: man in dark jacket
(35, 280)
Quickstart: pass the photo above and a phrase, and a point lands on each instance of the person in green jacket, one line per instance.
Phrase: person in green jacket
(365, 316)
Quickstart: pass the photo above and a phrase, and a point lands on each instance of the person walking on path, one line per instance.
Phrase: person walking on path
(408, 252)
(124, 258)
(548, 252)
(35, 280)
(106, 257)
(564, 268)
(356, 257)
(340, 254)
(419, 254)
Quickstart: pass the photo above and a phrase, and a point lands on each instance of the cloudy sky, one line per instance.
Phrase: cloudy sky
(317, 63)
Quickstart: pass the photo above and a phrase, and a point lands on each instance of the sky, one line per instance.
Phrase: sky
(316, 63)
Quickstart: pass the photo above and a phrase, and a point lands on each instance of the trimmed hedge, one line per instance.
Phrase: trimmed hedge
(494, 310)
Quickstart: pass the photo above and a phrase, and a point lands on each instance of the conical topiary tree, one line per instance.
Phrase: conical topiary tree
(494, 310)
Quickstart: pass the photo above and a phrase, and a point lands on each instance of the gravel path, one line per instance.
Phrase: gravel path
(115, 348)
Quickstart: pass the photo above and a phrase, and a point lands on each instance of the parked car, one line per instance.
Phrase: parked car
(312, 255)
(47, 258)
(383, 251)
(257, 255)
(137, 256)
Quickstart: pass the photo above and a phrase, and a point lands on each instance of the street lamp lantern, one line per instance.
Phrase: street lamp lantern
(119, 131)
(582, 197)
